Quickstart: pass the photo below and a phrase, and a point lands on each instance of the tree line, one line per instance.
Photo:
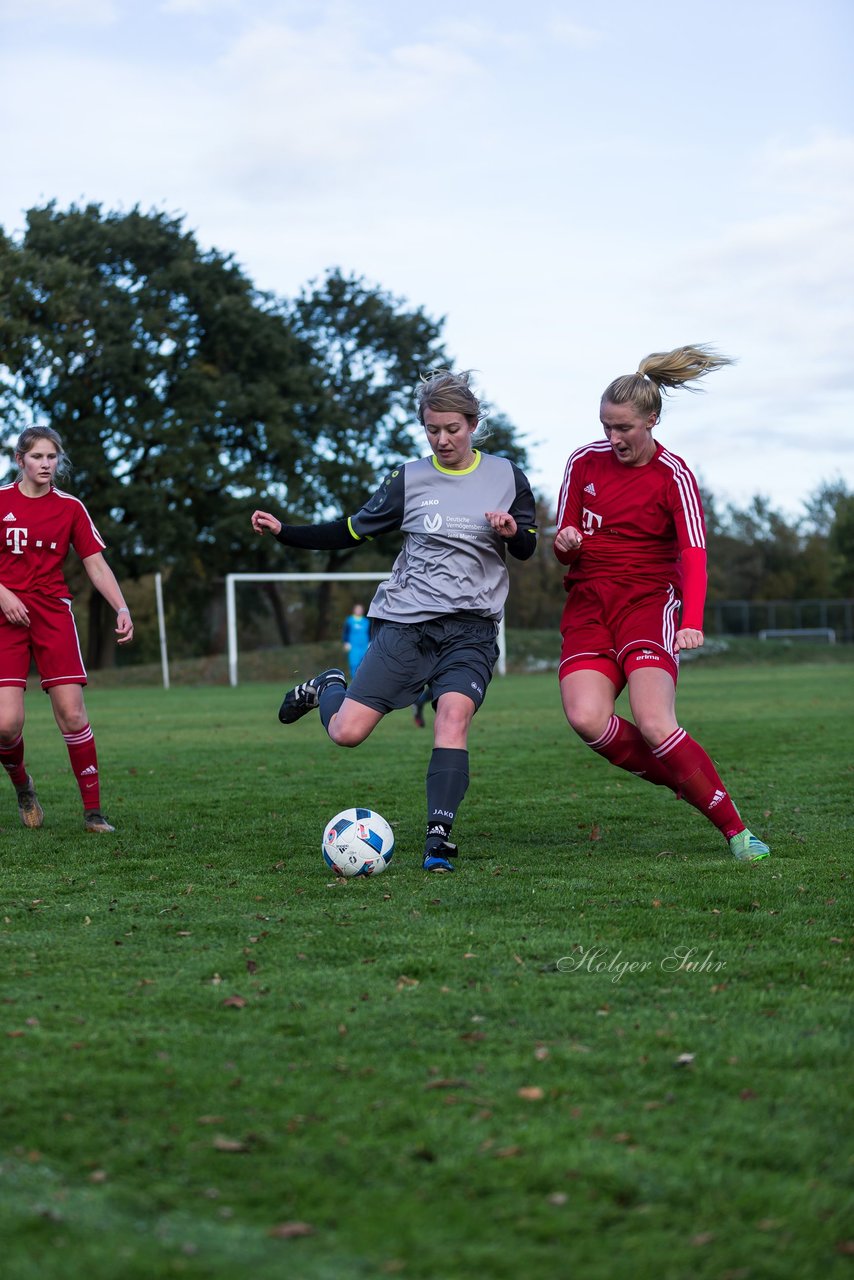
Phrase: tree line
(186, 397)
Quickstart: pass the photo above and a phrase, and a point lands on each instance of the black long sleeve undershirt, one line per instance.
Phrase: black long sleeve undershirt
(335, 536)
(523, 544)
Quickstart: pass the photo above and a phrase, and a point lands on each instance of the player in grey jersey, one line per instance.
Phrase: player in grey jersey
(435, 618)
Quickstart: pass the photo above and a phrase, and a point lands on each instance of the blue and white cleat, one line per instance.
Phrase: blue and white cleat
(746, 847)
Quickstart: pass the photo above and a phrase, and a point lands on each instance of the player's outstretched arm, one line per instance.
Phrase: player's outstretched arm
(104, 580)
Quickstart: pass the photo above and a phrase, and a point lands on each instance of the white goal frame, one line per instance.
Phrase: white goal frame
(231, 580)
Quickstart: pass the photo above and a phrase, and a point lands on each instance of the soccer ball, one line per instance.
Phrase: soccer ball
(358, 842)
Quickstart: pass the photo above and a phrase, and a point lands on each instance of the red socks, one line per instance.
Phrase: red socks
(679, 763)
(84, 763)
(12, 760)
(623, 745)
(697, 781)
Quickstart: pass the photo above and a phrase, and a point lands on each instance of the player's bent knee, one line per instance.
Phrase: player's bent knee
(588, 722)
(654, 730)
(352, 724)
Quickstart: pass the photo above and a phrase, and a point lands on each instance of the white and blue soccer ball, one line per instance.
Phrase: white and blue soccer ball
(358, 842)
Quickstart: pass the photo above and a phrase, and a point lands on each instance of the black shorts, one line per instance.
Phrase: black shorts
(452, 654)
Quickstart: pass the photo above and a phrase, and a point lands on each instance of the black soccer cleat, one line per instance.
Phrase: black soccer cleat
(436, 858)
(306, 697)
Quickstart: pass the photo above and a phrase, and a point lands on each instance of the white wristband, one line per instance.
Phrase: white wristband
(124, 609)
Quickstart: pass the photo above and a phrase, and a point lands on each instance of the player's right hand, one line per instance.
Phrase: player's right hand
(13, 609)
(263, 522)
(569, 539)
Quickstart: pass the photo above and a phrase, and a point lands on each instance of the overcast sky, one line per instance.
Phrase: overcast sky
(571, 185)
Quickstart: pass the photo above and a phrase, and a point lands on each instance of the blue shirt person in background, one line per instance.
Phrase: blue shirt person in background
(356, 637)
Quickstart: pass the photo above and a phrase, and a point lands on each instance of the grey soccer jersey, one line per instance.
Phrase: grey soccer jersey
(452, 560)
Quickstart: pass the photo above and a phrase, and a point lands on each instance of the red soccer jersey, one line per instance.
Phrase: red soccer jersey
(37, 533)
(639, 523)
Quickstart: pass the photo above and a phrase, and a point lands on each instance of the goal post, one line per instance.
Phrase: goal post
(231, 580)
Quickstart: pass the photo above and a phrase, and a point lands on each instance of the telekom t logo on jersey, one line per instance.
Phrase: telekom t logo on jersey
(590, 522)
(16, 541)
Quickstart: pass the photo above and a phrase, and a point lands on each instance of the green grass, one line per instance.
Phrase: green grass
(205, 1037)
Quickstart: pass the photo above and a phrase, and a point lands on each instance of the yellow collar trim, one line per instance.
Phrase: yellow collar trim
(453, 471)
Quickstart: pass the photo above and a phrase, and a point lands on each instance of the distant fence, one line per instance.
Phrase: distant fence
(749, 617)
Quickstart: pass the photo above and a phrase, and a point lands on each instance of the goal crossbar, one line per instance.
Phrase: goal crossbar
(231, 580)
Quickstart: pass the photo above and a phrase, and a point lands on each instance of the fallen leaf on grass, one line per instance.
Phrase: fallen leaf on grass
(291, 1230)
(531, 1093)
(684, 1060)
(447, 1084)
(233, 1002)
(702, 1237)
(210, 1119)
(233, 1146)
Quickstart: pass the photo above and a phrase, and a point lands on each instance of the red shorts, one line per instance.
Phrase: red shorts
(50, 641)
(617, 628)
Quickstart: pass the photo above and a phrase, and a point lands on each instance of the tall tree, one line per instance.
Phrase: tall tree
(178, 388)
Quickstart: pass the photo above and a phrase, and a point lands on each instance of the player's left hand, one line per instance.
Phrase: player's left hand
(502, 522)
(689, 638)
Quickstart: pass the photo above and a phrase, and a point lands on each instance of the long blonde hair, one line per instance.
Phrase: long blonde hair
(663, 371)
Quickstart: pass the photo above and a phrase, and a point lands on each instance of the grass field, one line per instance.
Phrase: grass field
(601, 1049)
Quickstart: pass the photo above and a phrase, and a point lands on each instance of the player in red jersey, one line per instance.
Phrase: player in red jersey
(632, 535)
(40, 523)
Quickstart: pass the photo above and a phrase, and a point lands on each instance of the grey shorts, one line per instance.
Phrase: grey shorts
(452, 654)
